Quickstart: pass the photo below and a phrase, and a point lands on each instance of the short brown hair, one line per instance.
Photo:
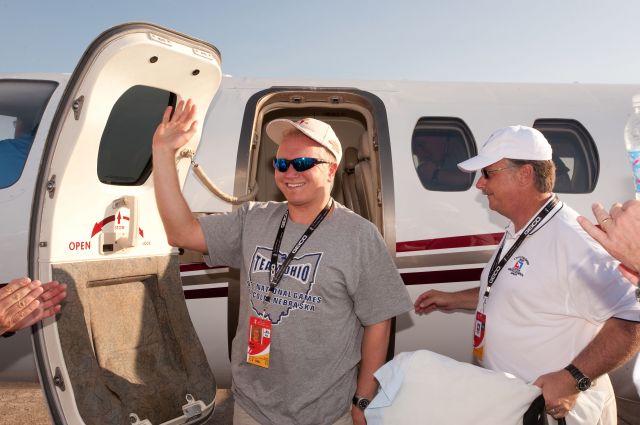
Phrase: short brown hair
(544, 173)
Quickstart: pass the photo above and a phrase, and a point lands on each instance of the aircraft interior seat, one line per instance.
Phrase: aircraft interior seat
(349, 160)
(563, 180)
(571, 175)
(129, 344)
(365, 187)
(336, 191)
(580, 177)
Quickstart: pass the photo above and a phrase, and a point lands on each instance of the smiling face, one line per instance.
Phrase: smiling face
(308, 190)
(501, 188)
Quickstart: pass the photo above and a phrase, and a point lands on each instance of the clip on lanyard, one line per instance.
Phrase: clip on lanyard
(497, 267)
(276, 276)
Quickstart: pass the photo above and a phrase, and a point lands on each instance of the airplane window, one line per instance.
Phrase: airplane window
(22, 104)
(574, 153)
(437, 146)
(124, 156)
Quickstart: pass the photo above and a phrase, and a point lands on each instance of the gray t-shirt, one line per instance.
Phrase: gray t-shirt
(341, 280)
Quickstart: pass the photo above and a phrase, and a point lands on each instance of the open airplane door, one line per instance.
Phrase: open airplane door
(123, 349)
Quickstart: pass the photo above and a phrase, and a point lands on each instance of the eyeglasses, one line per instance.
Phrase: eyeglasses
(487, 173)
(299, 164)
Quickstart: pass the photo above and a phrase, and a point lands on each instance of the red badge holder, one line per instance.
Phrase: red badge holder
(259, 345)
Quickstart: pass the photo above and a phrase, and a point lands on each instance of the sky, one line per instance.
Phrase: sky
(587, 41)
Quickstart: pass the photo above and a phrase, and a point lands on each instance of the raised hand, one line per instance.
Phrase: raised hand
(175, 130)
(618, 233)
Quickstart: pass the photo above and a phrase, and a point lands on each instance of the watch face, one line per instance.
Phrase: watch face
(363, 403)
(584, 384)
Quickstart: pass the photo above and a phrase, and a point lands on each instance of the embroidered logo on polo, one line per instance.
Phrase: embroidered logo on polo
(519, 264)
(294, 291)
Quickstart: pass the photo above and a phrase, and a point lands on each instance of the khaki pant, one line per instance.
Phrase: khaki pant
(241, 417)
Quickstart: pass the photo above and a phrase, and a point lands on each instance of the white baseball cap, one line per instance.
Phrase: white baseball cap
(318, 131)
(514, 142)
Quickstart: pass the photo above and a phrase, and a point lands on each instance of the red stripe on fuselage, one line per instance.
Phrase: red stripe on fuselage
(452, 242)
(193, 267)
(191, 294)
(441, 276)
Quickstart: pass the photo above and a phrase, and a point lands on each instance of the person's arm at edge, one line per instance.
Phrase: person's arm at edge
(617, 233)
(615, 344)
(182, 229)
(375, 342)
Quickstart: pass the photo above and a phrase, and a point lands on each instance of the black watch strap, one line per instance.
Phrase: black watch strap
(583, 382)
(8, 334)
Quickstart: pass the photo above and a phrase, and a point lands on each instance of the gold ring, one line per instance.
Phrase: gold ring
(605, 219)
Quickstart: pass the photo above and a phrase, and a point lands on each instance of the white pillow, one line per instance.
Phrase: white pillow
(423, 387)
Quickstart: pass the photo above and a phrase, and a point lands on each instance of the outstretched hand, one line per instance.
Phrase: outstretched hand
(175, 130)
(433, 300)
(49, 304)
(24, 302)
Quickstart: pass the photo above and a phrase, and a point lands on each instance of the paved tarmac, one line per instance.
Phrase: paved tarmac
(22, 403)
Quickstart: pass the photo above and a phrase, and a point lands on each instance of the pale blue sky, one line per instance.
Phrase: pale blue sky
(447, 40)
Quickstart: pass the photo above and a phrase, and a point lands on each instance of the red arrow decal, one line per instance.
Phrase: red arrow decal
(97, 228)
(100, 224)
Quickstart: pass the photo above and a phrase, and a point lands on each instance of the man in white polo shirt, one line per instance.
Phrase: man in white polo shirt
(552, 308)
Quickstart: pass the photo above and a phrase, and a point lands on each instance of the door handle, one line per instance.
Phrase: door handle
(130, 202)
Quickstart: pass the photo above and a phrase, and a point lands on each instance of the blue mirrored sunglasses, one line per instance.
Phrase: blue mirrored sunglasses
(299, 164)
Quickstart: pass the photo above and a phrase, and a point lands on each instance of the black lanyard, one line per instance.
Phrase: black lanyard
(497, 267)
(276, 276)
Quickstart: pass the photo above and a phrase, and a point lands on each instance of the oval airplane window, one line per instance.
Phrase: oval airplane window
(438, 144)
(574, 154)
(124, 156)
(22, 104)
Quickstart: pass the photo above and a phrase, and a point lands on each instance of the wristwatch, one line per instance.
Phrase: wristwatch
(583, 382)
(360, 402)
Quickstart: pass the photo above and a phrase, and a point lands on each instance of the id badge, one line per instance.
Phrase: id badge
(478, 335)
(259, 342)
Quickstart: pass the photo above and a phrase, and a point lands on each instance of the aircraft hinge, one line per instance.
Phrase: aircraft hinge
(58, 381)
(51, 186)
(193, 408)
(77, 107)
(135, 420)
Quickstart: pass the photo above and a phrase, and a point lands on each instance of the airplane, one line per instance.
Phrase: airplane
(146, 326)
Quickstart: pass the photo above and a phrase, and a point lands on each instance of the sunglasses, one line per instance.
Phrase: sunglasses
(299, 164)
(487, 173)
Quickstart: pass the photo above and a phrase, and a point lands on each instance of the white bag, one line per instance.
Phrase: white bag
(423, 387)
